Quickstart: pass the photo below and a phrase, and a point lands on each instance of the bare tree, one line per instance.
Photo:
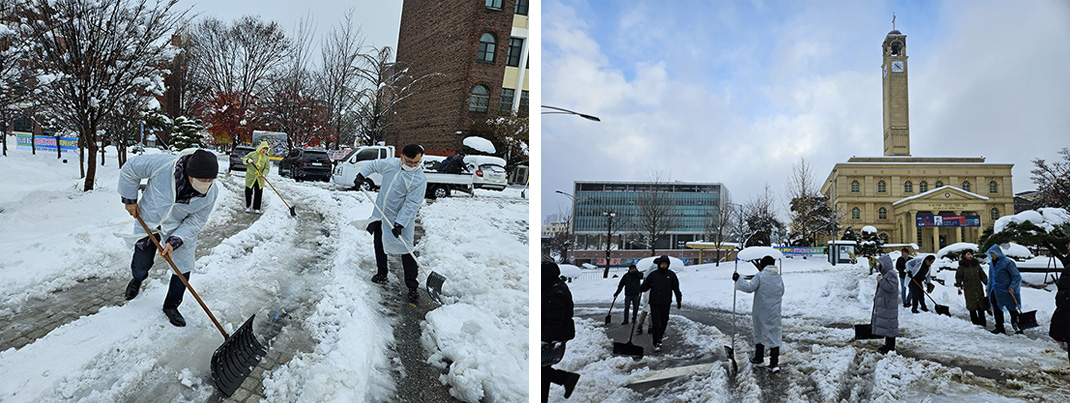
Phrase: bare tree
(561, 241)
(16, 81)
(717, 224)
(760, 214)
(102, 52)
(656, 213)
(808, 208)
(291, 105)
(1053, 181)
(339, 82)
(388, 83)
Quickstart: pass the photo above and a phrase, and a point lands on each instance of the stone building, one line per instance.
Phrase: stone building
(930, 201)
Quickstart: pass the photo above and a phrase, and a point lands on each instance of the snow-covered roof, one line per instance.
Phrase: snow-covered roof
(869, 229)
(1046, 218)
(945, 187)
(758, 252)
(480, 144)
(956, 248)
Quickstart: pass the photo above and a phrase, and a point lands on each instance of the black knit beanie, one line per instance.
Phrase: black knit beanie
(202, 165)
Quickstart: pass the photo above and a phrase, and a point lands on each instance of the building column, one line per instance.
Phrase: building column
(958, 230)
(912, 227)
(936, 239)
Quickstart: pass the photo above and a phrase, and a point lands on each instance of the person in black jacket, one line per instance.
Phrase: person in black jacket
(630, 283)
(1060, 319)
(901, 267)
(557, 326)
(453, 164)
(661, 283)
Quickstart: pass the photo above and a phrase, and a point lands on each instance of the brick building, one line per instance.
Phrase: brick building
(481, 49)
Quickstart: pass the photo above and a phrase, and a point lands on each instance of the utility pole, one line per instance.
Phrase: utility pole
(609, 238)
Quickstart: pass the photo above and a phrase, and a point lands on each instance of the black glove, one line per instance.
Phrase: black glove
(371, 227)
(930, 287)
(359, 180)
(397, 230)
(616, 294)
(678, 305)
(735, 276)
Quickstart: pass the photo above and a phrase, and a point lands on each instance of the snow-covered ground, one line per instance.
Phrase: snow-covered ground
(313, 271)
(939, 358)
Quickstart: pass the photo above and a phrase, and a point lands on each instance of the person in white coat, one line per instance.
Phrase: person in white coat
(400, 197)
(175, 205)
(768, 291)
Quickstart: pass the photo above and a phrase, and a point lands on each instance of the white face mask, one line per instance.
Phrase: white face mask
(407, 168)
(200, 187)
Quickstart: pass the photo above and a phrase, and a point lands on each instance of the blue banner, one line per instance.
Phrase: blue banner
(46, 143)
(949, 221)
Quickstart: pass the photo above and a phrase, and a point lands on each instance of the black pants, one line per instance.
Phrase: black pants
(917, 296)
(552, 375)
(140, 266)
(659, 319)
(256, 194)
(977, 317)
(998, 313)
(407, 261)
(631, 301)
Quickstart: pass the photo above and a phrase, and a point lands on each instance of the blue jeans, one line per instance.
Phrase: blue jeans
(140, 266)
(905, 290)
(633, 302)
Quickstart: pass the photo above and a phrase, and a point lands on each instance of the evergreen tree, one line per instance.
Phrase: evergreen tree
(187, 133)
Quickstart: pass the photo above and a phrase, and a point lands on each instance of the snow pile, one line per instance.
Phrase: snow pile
(1046, 218)
(956, 248)
(869, 229)
(480, 144)
(758, 252)
(480, 335)
(1016, 251)
(570, 271)
(477, 161)
(647, 263)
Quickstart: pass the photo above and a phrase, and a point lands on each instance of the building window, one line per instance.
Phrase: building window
(487, 43)
(856, 214)
(923, 186)
(939, 184)
(966, 185)
(908, 187)
(854, 186)
(521, 7)
(882, 213)
(993, 187)
(22, 124)
(505, 103)
(882, 187)
(479, 100)
(515, 46)
(995, 214)
(523, 103)
(495, 4)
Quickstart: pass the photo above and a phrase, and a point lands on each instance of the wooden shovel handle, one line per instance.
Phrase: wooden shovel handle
(272, 186)
(923, 290)
(181, 277)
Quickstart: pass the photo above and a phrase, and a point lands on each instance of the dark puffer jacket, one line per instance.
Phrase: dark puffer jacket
(662, 284)
(1060, 319)
(557, 323)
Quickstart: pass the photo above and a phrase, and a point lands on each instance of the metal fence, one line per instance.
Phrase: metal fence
(596, 274)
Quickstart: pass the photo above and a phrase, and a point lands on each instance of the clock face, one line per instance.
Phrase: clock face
(897, 66)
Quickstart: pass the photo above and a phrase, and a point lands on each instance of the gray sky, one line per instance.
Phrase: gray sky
(738, 91)
(379, 19)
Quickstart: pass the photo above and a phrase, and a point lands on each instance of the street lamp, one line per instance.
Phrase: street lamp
(609, 237)
(562, 111)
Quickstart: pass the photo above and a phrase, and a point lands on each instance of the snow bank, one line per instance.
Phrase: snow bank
(480, 144)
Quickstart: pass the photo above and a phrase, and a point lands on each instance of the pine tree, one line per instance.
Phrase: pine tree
(187, 133)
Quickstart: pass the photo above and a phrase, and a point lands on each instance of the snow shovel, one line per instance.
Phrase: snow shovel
(293, 211)
(609, 316)
(434, 280)
(730, 351)
(240, 352)
(628, 348)
(1026, 320)
(940, 309)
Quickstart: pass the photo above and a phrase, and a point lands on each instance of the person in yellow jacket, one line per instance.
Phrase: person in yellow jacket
(257, 165)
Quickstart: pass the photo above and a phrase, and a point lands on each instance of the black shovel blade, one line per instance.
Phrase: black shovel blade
(434, 286)
(609, 317)
(293, 211)
(628, 349)
(864, 332)
(943, 310)
(1028, 320)
(236, 358)
(731, 354)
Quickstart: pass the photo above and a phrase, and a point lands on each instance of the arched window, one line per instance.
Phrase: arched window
(854, 186)
(993, 187)
(939, 184)
(908, 187)
(479, 100)
(923, 187)
(882, 187)
(995, 214)
(966, 185)
(856, 214)
(882, 213)
(487, 43)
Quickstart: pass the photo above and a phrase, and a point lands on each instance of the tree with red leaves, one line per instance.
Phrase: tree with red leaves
(223, 115)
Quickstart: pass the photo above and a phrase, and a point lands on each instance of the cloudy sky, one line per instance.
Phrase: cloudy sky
(379, 19)
(738, 91)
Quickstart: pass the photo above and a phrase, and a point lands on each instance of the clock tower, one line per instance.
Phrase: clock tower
(894, 86)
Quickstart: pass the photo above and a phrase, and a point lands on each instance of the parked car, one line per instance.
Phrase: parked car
(236, 155)
(489, 172)
(438, 184)
(306, 164)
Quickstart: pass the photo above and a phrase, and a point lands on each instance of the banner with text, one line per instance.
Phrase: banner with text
(798, 250)
(949, 221)
(46, 143)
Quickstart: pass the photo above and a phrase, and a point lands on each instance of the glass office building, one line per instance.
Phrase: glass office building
(691, 203)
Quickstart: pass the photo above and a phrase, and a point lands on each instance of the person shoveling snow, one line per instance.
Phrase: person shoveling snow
(768, 291)
(662, 284)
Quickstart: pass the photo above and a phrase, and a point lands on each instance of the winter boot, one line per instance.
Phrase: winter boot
(657, 347)
(997, 330)
(379, 278)
(774, 359)
(175, 317)
(889, 345)
(625, 321)
(133, 288)
(248, 209)
(570, 383)
(759, 355)
(414, 295)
